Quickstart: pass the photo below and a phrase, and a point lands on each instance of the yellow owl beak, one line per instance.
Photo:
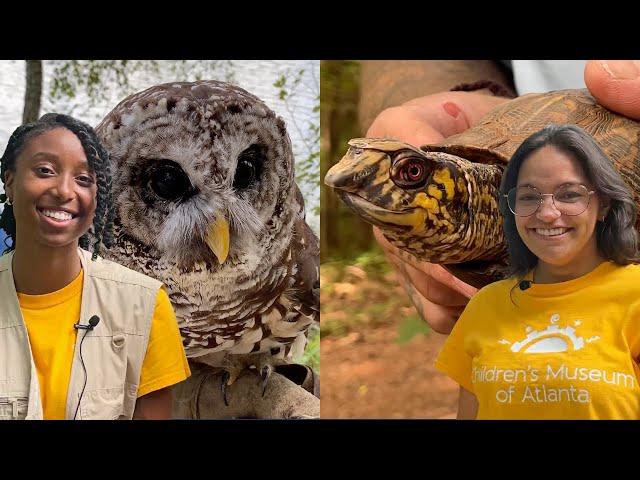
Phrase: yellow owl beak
(218, 239)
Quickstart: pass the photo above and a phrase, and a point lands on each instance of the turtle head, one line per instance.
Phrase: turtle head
(403, 190)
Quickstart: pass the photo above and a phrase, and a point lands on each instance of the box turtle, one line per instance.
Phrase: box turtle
(440, 202)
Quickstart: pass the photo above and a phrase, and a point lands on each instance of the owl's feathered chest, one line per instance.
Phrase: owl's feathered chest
(227, 311)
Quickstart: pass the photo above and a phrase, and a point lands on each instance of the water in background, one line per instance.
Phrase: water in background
(255, 76)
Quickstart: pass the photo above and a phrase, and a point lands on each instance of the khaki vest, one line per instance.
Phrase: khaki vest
(113, 351)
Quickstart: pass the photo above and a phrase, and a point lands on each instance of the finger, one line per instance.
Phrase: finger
(450, 113)
(440, 318)
(440, 293)
(431, 280)
(406, 125)
(432, 118)
(438, 285)
(615, 84)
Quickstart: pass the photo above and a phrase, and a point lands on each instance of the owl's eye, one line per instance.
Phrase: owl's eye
(169, 181)
(249, 167)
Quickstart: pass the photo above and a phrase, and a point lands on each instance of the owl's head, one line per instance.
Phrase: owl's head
(202, 172)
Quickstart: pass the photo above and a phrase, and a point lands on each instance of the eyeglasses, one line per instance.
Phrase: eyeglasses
(570, 199)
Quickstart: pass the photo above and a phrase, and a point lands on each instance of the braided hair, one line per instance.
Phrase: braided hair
(97, 158)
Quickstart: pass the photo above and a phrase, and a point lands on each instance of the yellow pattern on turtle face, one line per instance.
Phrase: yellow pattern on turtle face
(434, 192)
(428, 203)
(414, 218)
(443, 176)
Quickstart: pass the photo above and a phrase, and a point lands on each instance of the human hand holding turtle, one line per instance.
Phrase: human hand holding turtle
(438, 295)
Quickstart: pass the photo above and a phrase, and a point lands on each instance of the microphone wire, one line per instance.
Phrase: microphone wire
(85, 372)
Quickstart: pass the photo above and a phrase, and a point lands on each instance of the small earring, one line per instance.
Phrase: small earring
(603, 217)
(8, 202)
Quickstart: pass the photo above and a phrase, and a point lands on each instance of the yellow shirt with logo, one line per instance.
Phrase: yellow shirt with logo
(49, 320)
(554, 351)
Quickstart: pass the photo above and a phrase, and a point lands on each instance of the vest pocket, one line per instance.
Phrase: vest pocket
(103, 404)
(13, 408)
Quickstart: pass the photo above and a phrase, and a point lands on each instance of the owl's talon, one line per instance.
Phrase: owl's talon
(265, 373)
(223, 387)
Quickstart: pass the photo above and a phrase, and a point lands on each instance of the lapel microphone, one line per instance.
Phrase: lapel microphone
(523, 285)
(93, 321)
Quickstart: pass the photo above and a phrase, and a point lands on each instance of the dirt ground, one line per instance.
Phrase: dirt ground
(365, 374)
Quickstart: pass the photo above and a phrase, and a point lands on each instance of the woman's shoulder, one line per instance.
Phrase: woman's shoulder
(625, 278)
(109, 270)
(632, 270)
(613, 274)
(498, 288)
(491, 295)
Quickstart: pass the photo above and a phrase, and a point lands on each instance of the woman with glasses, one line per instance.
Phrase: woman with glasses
(560, 338)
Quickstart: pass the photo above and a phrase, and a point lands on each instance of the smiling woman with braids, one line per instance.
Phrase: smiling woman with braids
(80, 337)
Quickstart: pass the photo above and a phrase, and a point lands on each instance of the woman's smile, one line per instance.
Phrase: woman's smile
(53, 190)
(56, 216)
(551, 234)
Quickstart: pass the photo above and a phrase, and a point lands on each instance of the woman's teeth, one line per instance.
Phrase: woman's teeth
(550, 232)
(57, 214)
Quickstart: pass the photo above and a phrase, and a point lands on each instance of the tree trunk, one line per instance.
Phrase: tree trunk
(33, 92)
(326, 223)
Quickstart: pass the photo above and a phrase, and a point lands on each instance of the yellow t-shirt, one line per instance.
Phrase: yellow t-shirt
(554, 351)
(50, 318)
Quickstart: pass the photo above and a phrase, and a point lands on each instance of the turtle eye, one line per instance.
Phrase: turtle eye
(411, 172)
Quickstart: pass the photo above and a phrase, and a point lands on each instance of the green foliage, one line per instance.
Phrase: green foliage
(94, 77)
(360, 293)
(334, 328)
(372, 260)
(97, 78)
(410, 327)
(311, 355)
(289, 85)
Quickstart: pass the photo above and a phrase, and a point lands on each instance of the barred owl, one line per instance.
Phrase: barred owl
(206, 202)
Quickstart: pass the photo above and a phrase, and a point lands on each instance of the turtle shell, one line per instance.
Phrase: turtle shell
(496, 138)
(382, 144)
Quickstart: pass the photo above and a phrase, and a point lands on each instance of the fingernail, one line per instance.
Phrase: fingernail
(621, 69)
(451, 108)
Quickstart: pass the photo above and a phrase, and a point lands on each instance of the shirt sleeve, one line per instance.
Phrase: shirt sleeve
(165, 362)
(453, 359)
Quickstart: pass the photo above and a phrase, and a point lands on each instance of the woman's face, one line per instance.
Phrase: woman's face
(555, 238)
(52, 190)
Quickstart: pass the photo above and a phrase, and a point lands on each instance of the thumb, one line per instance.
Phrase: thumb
(615, 84)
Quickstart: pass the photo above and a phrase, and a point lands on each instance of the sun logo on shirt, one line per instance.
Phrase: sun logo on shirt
(550, 340)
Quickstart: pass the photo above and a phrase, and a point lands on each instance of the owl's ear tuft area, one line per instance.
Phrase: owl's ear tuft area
(234, 108)
(282, 129)
(171, 104)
